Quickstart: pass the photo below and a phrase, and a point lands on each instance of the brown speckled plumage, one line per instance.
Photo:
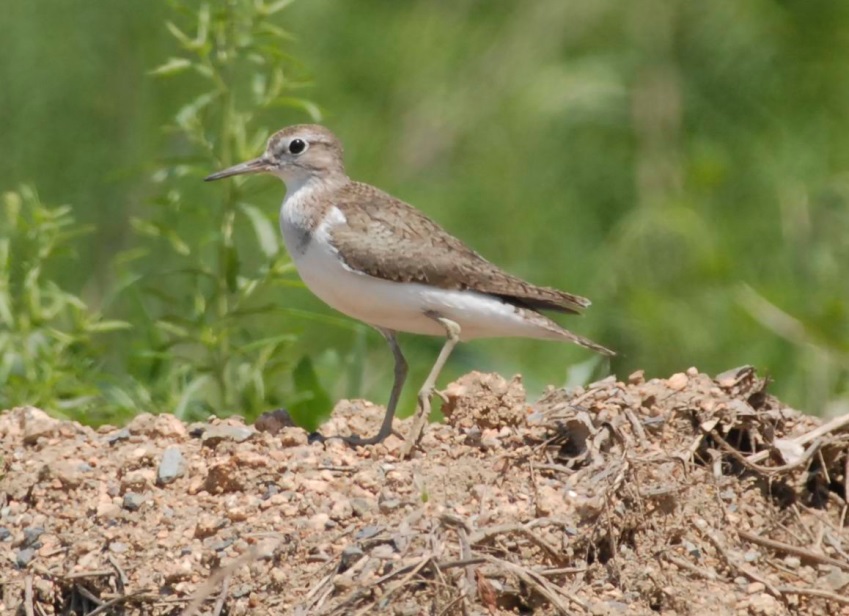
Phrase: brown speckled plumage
(390, 239)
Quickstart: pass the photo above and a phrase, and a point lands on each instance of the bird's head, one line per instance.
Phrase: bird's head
(296, 155)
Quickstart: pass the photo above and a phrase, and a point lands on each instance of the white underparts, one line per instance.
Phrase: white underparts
(398, 306)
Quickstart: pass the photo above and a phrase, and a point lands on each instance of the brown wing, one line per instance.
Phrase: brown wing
(390, 239)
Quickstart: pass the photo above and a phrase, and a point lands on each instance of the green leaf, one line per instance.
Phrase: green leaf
(108, 326)
(266, 233)
(189, 393)
(172, 67)
(314, 402)
(231, 269)
(311, 108)
(274, 7)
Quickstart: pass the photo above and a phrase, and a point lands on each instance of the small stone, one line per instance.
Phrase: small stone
(275, 421)
(139, 480)
(319, 521)
(293, 437)
(367, 532)
(117, 547)
(384, 551)
(107, 510)
(677, 381)
(341, 509)
(388, 504)
(637, 378)
(792, 562)
(23, 557)
(223, 478)
(119, 435)
(171, 466)
(214, 435)
(361, 506)
(837, 580)
(5, 533)
(132, 501)
(207, 526)
(350, 555)
(315, 486)
(755, 588)
(31, 536)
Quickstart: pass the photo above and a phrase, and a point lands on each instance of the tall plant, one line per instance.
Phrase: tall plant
(214, 262)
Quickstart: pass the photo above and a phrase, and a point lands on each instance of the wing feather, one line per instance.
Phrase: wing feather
(387, 238)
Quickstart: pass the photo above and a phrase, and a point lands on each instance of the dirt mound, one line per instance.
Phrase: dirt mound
(687, 495)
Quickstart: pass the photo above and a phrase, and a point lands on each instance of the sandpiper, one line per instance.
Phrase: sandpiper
(383, 262)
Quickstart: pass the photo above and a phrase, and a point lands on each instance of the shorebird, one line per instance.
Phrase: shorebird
(385, 263)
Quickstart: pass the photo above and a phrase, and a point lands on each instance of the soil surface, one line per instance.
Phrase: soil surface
(687, 495)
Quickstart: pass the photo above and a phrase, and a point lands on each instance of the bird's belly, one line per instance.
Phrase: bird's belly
(405, 306)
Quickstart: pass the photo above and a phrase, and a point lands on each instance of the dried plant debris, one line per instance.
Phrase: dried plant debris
(686, 495)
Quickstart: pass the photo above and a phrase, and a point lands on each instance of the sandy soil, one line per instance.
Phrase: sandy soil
(686, 495)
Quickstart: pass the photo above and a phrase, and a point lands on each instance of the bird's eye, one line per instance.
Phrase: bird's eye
(296, 146)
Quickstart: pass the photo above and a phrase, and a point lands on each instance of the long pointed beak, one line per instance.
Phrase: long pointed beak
(257, 165)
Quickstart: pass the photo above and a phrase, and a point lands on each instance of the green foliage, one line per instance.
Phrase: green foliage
(49, 338)
(207, 344)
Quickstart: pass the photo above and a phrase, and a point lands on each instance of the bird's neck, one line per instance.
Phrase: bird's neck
(314, 184)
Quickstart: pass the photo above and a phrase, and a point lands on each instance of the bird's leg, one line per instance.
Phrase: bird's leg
(397, 386)
(452, 331)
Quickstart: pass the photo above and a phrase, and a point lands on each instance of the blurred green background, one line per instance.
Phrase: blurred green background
(684, 165)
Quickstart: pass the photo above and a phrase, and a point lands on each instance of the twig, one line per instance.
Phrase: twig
(543, 586)
(399, 584)
(222, 596)
(485, 534)
(85, 592)
(792, 549)
(122, 577)
(256, 552)
(711, 535)
(28, 600)
(84, 574)
(106, 607)
(637, 427)
(765, 470)
(685, 564)
(830, 426)
(813, 592)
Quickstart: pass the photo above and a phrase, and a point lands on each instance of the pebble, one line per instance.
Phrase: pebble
(132, 501)
(171, 466)
(5, 533)
(23, 557)
(138, 481)
(117, 547)
(361, 506)
(121, 435)
(341, 508)
(214, 435)
(37, 424)
(755, 588)
(367, 532)
(31, 536)
(318, 521)
(677, 381)
(350, 555)
(293, 437)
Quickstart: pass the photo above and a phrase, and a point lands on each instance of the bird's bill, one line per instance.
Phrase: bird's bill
(257, 165)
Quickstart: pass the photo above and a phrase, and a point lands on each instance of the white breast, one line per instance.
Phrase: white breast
(386, 304)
